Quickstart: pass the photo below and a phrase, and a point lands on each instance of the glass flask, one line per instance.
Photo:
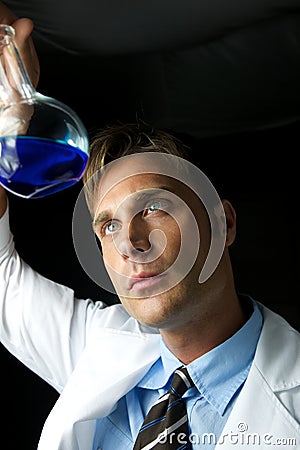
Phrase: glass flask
(43, 143)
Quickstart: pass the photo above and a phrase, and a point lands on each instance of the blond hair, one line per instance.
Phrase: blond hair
(118, 140)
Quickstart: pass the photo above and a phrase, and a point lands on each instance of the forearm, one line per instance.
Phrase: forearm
(3, 201)
(37, 316)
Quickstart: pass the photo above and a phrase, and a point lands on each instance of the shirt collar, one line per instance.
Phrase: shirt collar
(219, 373)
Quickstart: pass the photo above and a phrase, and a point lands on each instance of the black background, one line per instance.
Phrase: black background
(257, 167)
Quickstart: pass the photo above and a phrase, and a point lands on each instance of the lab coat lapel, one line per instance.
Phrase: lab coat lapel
(258, 420)
(258, 412)
(93, 391)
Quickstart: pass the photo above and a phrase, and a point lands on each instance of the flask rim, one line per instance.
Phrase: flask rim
(6, 32)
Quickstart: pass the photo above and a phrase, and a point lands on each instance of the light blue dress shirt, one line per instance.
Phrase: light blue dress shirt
(218, 376)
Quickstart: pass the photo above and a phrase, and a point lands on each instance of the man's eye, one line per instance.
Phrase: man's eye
(110, 228)
(153, 207)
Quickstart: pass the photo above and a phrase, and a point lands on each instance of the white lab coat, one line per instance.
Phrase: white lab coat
(94, 355)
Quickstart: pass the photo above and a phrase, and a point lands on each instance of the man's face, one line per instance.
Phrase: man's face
(149, 227)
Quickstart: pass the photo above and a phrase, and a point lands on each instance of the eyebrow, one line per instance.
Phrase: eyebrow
(102, 217)
(105, 215)
(148, 193)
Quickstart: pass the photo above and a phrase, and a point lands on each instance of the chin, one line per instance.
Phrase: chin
(153, 311)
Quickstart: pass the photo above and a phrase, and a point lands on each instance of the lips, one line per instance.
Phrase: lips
(144, 279)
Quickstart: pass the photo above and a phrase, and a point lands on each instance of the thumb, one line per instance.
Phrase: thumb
(23, 29)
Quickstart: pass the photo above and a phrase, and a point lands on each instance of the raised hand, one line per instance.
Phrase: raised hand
(23, 28)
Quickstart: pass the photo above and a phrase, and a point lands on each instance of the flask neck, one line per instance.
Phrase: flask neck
(15, 84)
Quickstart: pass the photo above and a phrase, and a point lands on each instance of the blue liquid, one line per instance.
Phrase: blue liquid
(38, 167)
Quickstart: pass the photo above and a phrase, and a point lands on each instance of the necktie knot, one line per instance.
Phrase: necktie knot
(181, 382)
(167, 419)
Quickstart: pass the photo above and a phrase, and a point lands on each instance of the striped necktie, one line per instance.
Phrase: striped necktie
(166, 424)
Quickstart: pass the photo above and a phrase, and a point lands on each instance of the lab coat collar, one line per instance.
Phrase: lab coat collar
(93, 391)
(261, 421)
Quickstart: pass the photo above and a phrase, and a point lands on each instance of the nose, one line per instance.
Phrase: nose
(134, 239)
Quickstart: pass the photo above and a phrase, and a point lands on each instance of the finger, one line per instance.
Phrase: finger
(23, 29)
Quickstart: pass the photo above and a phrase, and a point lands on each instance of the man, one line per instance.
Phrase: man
(112, 364)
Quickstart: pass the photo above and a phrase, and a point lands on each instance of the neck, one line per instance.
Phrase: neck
(15, 84)
(206, 330)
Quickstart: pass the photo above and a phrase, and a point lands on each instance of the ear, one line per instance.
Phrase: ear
(230, 215)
